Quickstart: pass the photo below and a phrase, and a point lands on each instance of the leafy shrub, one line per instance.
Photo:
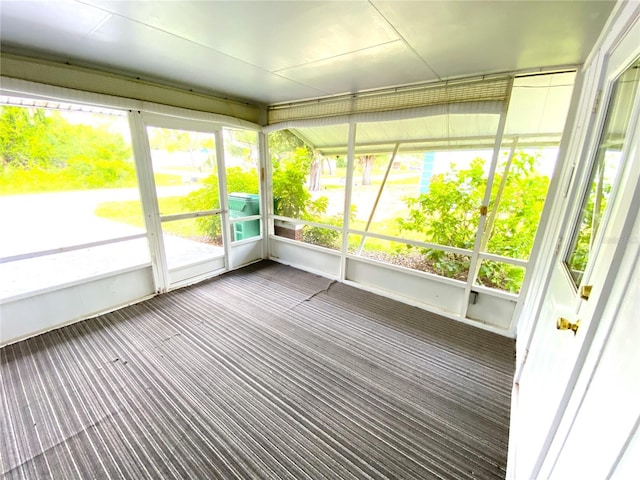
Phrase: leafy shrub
(44, 152)
(449, 214)
(292, 198)
(208, 197)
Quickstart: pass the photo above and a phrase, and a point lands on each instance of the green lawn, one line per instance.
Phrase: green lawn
(23, 181)
(130, 212)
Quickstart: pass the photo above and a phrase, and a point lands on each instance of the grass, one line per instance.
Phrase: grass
(130, 212)
(167, 179)
(24, 182)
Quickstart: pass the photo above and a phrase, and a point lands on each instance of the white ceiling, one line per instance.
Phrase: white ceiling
(270, 52)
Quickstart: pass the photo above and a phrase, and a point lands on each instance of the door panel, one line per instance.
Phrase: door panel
(611, 406)
(243, 182)
(187, 187)
(591, 248)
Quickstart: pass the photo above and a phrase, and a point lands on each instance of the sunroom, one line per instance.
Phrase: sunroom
(319, 259)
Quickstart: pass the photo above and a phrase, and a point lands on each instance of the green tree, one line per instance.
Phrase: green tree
(518, 214)
(291, 197)
(282, 143)
(242, 144)
(42, 151)
(25, 140)
(449, 214)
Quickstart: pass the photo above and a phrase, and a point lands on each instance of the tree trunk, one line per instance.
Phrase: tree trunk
(367, 167)
(314, 173)
(329, 165)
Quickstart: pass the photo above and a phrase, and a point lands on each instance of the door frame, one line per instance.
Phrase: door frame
(139, 121)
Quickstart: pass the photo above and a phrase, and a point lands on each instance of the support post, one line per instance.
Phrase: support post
(473, 266)
(347, 200)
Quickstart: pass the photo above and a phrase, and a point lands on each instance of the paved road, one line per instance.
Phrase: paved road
(44, 221)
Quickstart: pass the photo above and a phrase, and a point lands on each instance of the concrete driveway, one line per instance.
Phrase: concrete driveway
(47, 221)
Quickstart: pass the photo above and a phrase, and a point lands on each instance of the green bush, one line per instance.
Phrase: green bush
(41, 151)
(449, 214)
(78, 174)
(292, 198)
(208, 197)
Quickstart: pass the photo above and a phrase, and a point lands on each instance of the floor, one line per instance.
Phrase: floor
(265, 372)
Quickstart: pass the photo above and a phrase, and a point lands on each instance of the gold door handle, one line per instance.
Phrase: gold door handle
(564, 324)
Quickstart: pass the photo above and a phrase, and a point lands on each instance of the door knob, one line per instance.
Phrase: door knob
(564, 324)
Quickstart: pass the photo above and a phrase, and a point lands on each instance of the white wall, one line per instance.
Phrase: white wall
(30, 315)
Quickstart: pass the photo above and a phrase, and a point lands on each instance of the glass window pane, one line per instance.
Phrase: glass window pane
(184, 170)
(537, 113)
(61, 172)
(501, 276)
(242, 162)
(430, 191)
(308, 180)
(322, 237)
(517, 199)
(606, 167)
(435, 183)
(433, 197)
(58, 167)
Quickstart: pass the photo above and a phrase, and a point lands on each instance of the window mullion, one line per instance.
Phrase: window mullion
(475, 257)
(347, 200)
(224, 201)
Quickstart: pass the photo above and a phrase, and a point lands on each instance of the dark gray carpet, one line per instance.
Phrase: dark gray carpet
(266, 372)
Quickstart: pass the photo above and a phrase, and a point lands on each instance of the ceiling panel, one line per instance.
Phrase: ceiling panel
(152, 51)
(464, 38)
(51, 24)
(272, 35)
(155, 55)
(381, 65)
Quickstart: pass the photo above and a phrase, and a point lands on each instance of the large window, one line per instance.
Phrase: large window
(309, 184)
(604, 172)
(60, 166)
(425, 193)
(432, 188)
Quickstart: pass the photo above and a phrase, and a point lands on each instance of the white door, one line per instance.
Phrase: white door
(604, 411)
(595, 233)
(187, 199)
